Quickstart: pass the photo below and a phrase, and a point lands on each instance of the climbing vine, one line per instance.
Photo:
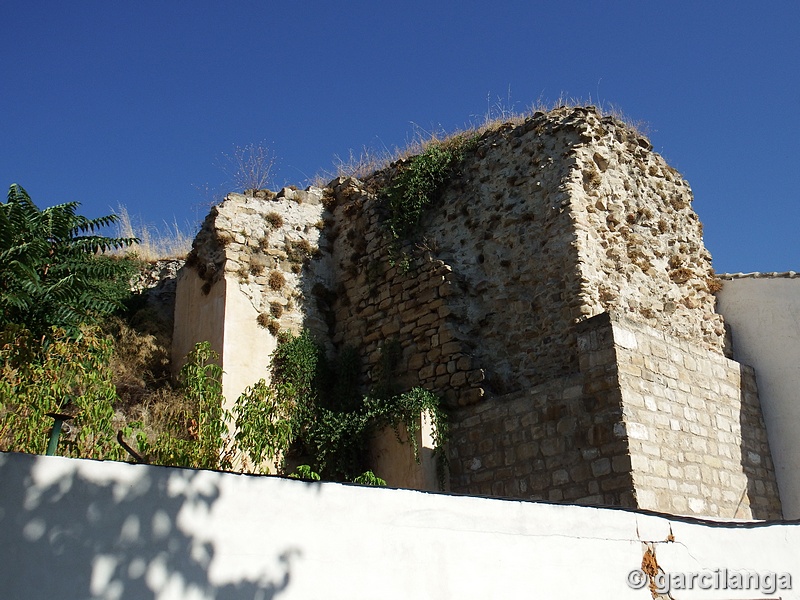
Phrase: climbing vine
(330, 423)
(421, 182)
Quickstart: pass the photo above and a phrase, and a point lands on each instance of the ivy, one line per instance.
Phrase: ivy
(421, 182)
(330, 423)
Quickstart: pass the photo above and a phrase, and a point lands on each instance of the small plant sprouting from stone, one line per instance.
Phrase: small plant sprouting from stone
(243, 273)
(421, 182)
(276, 280)
(592, 177)
(681, 275)
(274, 219)
(271, 324)
(714, 283)
(224, 238)
(299, 250)
(258, 264)
(276, 309)
(328, 198)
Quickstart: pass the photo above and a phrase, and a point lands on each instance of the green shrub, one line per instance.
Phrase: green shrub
(194, 432)
(330, 422)
(421, 182)
(63, 375)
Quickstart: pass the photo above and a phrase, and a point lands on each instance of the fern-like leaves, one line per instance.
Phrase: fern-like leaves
(52, 272)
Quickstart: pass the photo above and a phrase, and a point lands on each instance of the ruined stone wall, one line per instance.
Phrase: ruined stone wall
(641, 250)
(559, 441)
(377, 304)
(696, 436)
(252, 273)
(558, 296)
(547, 223)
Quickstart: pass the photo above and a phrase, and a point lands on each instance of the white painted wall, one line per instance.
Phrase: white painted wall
(73, 529)
(247, 347)
(199, 317)
(764, 315)
(226, 318)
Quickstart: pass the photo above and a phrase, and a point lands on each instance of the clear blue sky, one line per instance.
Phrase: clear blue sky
(133, 103)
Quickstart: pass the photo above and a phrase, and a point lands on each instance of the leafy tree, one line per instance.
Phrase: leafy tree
(52, 272)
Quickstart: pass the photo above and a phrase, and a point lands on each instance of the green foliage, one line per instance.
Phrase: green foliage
(421, 182)
(263, 425)
(305, 472)
(406, 409)
(195, 432)
(330, 423)
(51, 271)
(369, 478)
(66, 375)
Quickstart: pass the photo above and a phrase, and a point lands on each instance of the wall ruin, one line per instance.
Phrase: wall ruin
(562, 259)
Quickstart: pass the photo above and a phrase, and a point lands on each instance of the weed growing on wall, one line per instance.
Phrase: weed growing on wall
(421, 181)
(249, 167)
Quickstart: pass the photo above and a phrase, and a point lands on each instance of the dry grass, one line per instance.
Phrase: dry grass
(276, 280)
(369, 160)
(140, 363)
(155, 244)
(274, 219)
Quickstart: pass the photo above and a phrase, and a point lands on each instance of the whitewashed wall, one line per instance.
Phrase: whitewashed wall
(227, 320)
(764, 316)
(73, 529)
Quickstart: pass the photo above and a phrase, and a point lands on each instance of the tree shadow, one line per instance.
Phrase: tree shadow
(98, 531)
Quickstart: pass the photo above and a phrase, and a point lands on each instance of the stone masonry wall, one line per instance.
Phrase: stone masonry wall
(697, 439)
(558, 296)
(640, 243)
(257, 261)
(559, 441)
(547, 223)
(271, 249)
(651, 421)
(377, 304)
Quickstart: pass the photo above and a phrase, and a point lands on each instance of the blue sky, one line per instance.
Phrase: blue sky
(134, 103)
